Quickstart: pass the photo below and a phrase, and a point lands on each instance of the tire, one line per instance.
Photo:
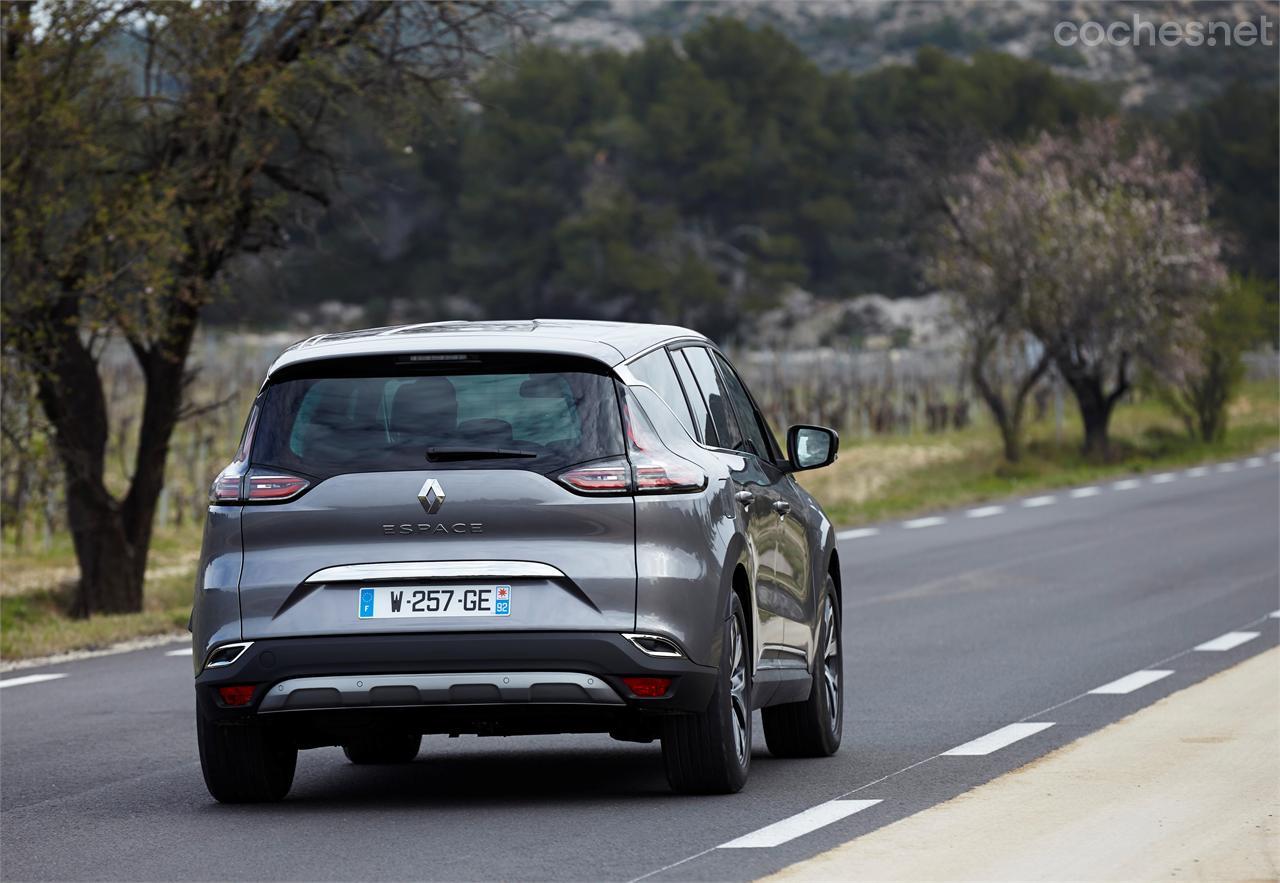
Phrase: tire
(710, 752)
(383, 748)
(813, 728)
(244, 762)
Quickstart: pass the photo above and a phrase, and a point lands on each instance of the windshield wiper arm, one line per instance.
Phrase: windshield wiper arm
(464, 453)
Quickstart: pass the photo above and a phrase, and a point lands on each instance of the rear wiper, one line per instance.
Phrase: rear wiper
(464, 453)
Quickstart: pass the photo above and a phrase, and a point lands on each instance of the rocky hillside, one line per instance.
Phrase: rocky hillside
(858, 36)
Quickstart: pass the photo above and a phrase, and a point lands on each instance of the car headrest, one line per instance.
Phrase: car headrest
(424, 410)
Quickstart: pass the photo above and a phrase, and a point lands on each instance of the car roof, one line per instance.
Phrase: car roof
(609, 342)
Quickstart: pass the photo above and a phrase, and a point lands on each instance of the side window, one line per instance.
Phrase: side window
(752, 424)
(701, 417)
(713, 393)
(655, 370)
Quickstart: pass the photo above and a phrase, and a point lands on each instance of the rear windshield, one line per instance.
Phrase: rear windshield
(388, 414)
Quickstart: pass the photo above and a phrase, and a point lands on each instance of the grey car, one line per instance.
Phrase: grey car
(504, 528)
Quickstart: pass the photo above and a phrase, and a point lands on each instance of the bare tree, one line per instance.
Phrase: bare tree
(145, 146)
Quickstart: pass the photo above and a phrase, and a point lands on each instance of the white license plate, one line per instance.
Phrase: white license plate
(393, 602)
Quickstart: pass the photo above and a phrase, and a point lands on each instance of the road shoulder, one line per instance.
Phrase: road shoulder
(1186, 788)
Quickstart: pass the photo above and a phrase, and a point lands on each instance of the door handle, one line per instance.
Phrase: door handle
(746, 498)
(782, 507)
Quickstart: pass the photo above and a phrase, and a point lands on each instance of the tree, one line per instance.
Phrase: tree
(1099, 248)
(986, 257)
(145, 147)
(1199, 384)
(1130, 264)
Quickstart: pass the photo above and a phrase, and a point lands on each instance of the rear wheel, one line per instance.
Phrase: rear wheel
(383, 748)
(813, 728)
(244, 762)
(710, 752)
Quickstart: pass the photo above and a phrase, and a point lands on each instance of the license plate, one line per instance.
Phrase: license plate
(392, 602)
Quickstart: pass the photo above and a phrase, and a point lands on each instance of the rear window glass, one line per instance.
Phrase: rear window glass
(363, 417)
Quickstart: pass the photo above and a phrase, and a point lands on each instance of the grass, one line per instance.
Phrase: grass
(34, 623)
(898, 477)
(873, 480)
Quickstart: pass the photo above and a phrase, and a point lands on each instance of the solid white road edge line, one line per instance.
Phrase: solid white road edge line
(1228, 467)
(799, 824)
(1163, 478)
(185, 651)
(1275, 458)
(1196, 472)
(1129, 683)
(1226, 642)
(984, 512)
(1254, 462)
(1080, 492)
(1127, 484)
(29, 679)
(996, 740)
(931, 521)
(857, 533)
(1036, 502)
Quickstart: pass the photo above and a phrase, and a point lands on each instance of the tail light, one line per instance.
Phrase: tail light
(273, 488)
(612, 476)
(648, 468)
(231, 487)
(657, 470)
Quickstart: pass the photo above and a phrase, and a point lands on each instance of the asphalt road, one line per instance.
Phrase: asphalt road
(956, 627)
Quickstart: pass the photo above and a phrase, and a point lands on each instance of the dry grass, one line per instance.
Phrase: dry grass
(894, 477)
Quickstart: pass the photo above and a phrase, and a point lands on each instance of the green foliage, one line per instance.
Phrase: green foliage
(1201, 385)
(727, 161)
(1234, 141)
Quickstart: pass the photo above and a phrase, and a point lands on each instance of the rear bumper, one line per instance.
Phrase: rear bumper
(454, 677)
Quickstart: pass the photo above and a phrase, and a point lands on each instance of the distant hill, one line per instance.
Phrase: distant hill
(860, 36)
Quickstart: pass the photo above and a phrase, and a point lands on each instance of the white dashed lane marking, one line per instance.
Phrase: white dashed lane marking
(994, 741)
(1226, 642)
(931, 521)
(1129, 683)
(985, 512)
(29, 679)
(182, 651)
(799, 824)
(1274, 614)
(1080, 493)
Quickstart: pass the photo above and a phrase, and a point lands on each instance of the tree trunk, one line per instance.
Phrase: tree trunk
(111, 570)
(1007, 415)
(111, 537)
(1095, 413)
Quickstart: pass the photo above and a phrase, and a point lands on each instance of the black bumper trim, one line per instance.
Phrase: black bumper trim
(607, 655)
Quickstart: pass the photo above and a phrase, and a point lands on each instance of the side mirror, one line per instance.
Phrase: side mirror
(809, 447)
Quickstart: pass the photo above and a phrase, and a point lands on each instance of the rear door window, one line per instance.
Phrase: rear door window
(713, 396)
(749, 419)
(655, 370)
(384, 415)
(706, 431)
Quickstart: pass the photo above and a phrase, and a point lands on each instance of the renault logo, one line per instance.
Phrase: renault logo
(431, 496)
